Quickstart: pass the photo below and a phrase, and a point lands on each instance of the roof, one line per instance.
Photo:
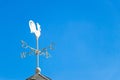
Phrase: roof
(38, 77)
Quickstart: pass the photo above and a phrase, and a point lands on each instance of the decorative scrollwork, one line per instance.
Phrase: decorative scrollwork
(43, 51)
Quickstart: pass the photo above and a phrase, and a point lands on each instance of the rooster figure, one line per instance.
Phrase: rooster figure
(34, 29)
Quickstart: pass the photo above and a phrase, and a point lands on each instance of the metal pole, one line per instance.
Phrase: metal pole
(38, 70)
(37, 54)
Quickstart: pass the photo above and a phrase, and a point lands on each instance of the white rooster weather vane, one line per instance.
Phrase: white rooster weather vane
(33, 28)
(37, 51)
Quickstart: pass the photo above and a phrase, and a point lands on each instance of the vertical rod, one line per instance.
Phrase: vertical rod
(37, 54)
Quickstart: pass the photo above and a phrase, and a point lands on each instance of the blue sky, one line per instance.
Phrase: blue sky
(86, 34)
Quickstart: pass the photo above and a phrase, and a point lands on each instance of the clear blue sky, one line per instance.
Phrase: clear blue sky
(86, 34)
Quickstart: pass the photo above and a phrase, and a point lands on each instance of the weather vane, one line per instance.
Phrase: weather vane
(36, 51)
